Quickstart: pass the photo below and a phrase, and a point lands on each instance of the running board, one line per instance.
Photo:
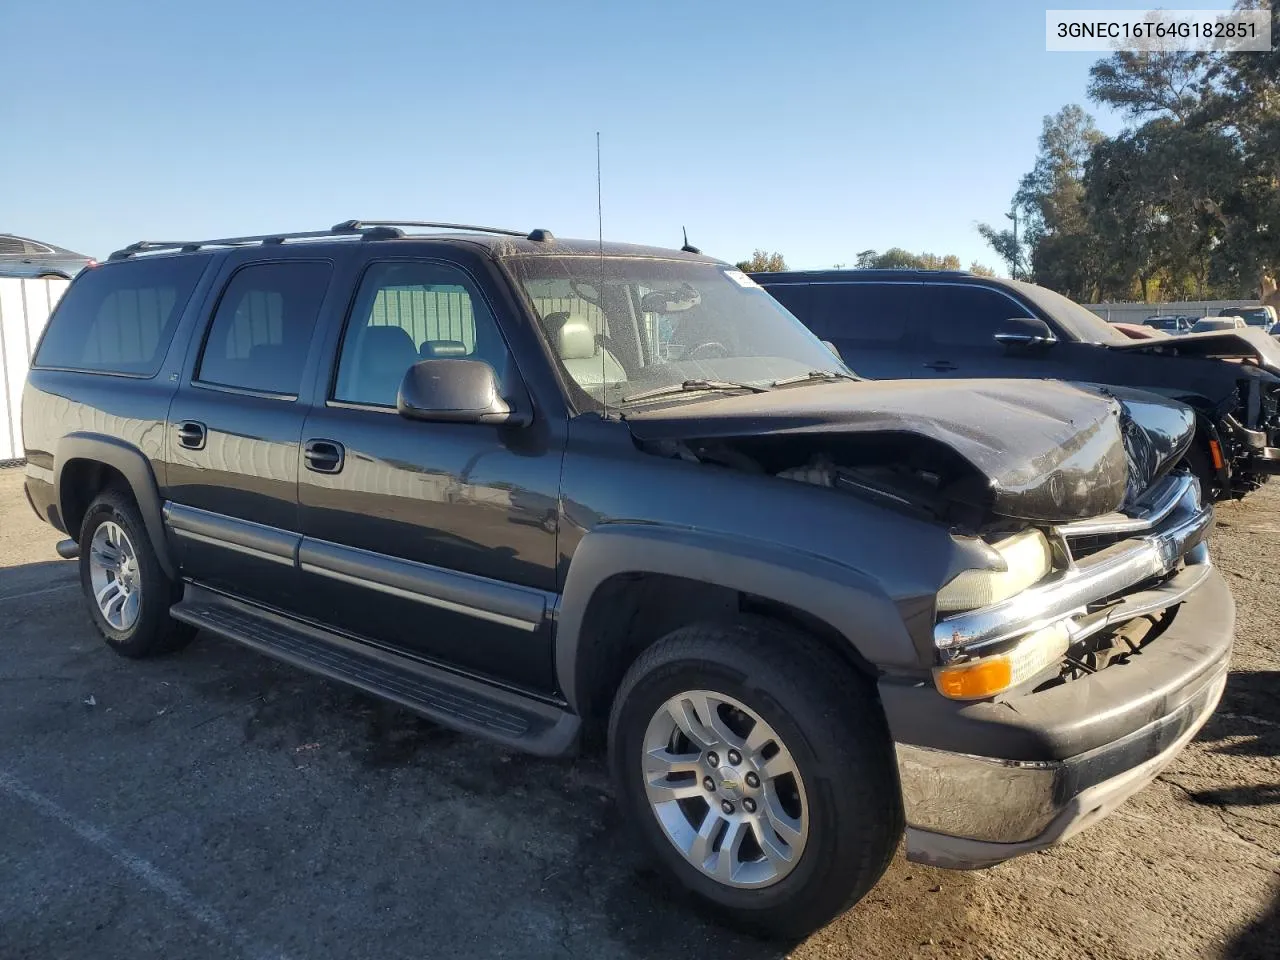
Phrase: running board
(460, 703)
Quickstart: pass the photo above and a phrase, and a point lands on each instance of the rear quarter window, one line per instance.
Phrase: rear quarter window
(120, 318)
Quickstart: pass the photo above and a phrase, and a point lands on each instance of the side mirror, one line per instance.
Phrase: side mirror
(455, 391)
(1025, 332)
(832, 347)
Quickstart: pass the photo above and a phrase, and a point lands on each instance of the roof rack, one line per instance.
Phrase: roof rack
(367, 229)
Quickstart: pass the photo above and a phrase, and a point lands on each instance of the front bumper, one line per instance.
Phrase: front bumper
(983, 782)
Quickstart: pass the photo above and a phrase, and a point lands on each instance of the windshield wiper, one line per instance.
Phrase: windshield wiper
(693, 386)
(813, 376)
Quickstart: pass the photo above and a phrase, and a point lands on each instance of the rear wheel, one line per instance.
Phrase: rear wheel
(127, 591)
(757, 767)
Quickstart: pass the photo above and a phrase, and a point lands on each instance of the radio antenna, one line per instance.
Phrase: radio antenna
(604, 367)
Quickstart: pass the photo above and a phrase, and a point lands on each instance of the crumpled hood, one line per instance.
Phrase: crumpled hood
(1253, 345)
(1045, 450)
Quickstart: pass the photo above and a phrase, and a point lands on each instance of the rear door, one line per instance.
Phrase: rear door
(235, 425)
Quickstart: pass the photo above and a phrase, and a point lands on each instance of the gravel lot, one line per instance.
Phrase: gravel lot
(215, 804)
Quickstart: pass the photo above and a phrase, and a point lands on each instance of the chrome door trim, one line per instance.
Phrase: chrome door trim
(241, 536)
(522, 608)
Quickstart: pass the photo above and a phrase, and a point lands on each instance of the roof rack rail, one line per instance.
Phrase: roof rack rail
(189, 246)
(539, 234)
(368, 229)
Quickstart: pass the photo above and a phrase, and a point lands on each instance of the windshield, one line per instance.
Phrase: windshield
(1255, 316)
(625, 328)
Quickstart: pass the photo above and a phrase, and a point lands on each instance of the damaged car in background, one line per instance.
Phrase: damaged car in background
(889, 324)
(557, 493)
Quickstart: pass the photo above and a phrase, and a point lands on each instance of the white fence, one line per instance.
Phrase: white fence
(24, 309)
(1137, 312)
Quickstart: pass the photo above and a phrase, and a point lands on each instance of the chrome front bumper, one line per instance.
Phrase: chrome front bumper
(986, 780)
(1150, 543)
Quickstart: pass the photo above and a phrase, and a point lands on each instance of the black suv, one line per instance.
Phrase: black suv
(906, 323)
(540, 489)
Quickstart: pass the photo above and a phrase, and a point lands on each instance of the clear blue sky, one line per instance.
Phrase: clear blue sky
(816, 129)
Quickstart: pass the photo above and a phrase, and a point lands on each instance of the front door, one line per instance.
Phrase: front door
(959, 322)
(234, 431)
(436, 538)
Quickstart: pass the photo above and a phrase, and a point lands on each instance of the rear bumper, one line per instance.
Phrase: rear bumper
(984, 782)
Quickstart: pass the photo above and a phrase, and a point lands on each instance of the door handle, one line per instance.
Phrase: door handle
(323, 456)
(192, 434)
(940, 365)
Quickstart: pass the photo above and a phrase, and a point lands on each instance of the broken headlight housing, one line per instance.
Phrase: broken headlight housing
(1026, 559)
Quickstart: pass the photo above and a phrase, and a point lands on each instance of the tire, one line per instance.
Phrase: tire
(1200, 462)
(139, 626)
(826, 721)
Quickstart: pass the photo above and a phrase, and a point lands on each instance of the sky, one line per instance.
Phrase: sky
(814, 129)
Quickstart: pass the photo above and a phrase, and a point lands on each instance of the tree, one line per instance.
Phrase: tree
(1005, 244)
(1060, 253)
(1183, 202)
(896, 258)
(982, 271)
(1146, 84)
(762, 262)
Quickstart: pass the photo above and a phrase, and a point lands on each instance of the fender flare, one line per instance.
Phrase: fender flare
(133, 465)
(847, 600)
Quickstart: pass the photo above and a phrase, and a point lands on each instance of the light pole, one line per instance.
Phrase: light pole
(1013, 215)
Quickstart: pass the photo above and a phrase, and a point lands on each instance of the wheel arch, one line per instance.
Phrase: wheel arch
(630, 584)
(86, 464)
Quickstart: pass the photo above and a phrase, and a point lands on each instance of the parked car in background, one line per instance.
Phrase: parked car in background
(1139, 331)
(24, 257)
(1214, 324)
(1263, 316)
(555, 491)
(900, 323)
(1172, 325)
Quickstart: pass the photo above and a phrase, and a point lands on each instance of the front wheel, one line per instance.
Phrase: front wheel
(758, 768)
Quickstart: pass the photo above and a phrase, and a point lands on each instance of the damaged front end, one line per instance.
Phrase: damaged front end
(980, 456)
(1243, 440)
(1069, 497)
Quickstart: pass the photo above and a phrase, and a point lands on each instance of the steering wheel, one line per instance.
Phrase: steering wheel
(709, 345)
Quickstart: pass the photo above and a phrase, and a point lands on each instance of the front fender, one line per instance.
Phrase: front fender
(845, 599)
(133, 465)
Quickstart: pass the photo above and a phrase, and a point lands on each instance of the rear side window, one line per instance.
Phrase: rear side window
(968, 316)
(870, 312)
(120, 318)
(262, 330)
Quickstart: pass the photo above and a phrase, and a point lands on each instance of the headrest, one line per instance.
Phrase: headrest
(577, 339)
(387, 338)
(436, 349)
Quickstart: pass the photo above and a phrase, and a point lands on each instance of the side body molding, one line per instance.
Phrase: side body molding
(133, 465)
(842, 597)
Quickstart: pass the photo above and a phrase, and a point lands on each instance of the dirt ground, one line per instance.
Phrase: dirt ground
(216, 804)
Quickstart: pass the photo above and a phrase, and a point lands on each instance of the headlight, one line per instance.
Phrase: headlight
(998, 672)
(1027, 559)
